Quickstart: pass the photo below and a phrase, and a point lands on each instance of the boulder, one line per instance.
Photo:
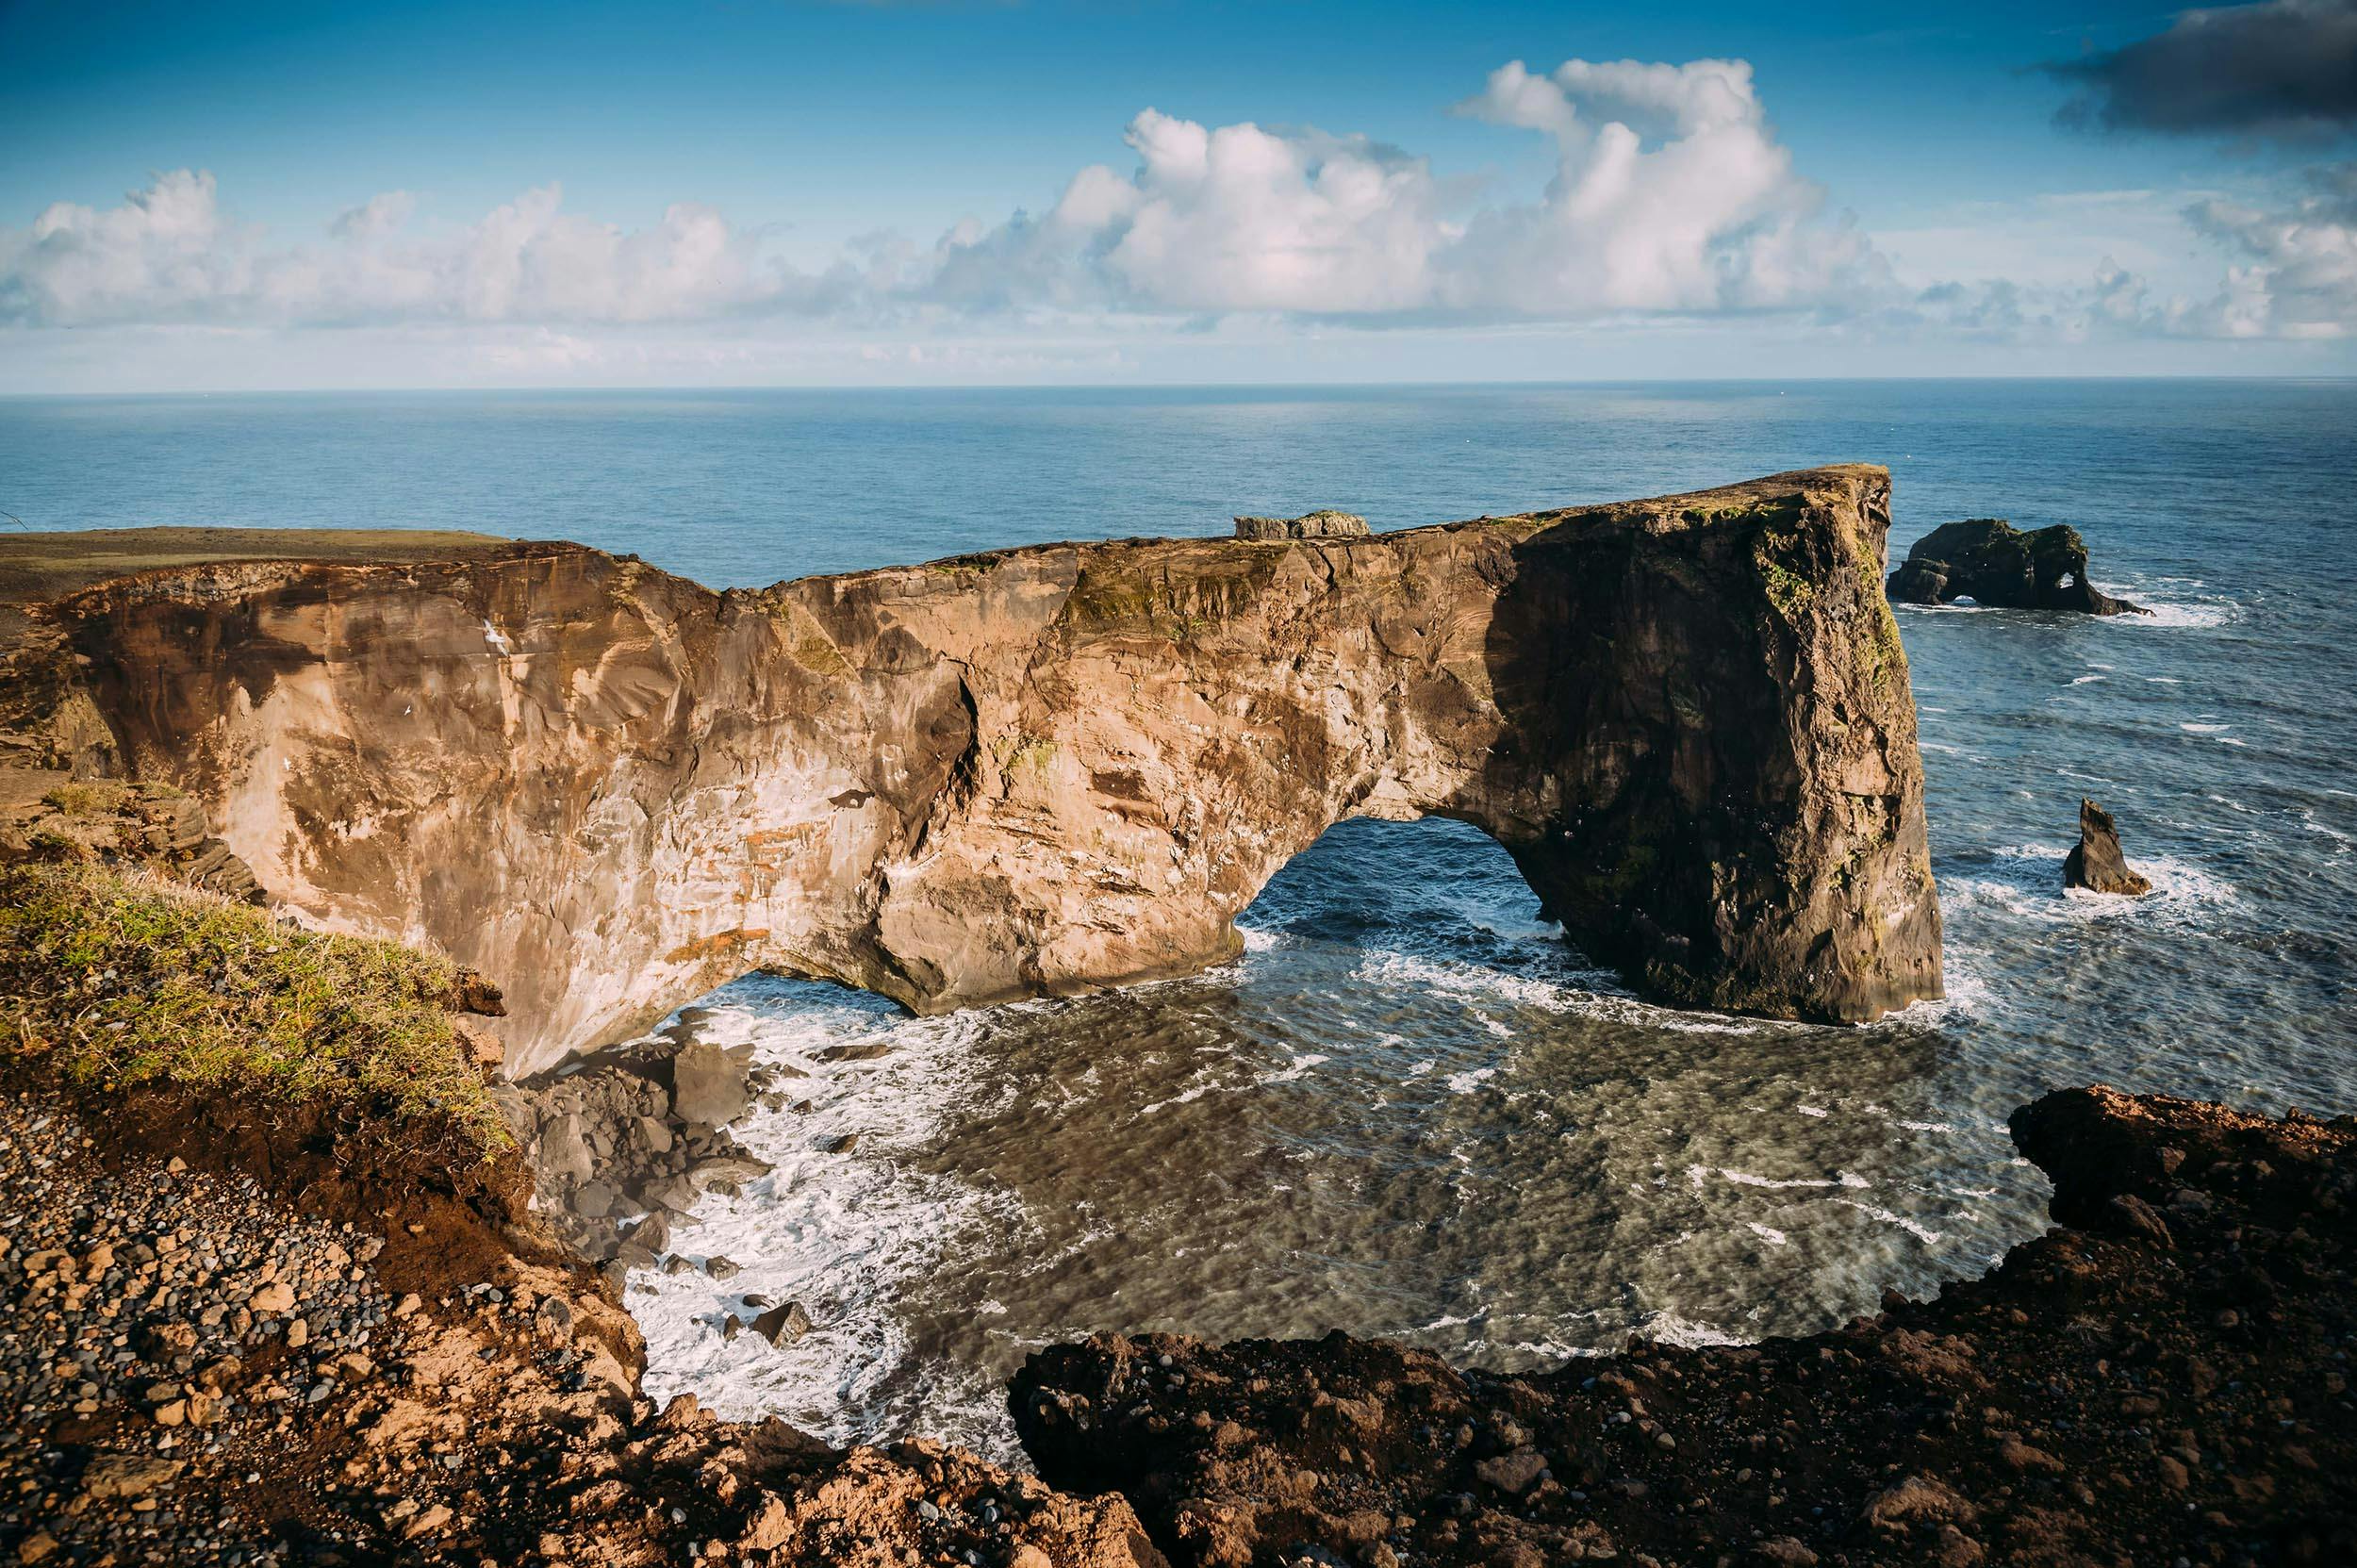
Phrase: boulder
(2095, 862)
(708, 1083)
(782, 1325)
(1991, 562)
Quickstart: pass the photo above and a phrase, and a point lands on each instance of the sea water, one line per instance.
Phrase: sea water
(1410, 1109)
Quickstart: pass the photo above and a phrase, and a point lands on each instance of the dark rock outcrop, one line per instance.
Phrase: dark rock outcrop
(1036, 771)
(2165, 1380)
(1990, 562)
(2095, 862)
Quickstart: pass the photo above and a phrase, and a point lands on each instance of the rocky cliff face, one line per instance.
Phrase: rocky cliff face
(1034, 771)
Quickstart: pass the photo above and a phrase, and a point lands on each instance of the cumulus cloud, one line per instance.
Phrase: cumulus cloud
(1669, 197)
(2283, 68)
(2299, 277)
(2291, 275)
(170, 254)
(1671, 194)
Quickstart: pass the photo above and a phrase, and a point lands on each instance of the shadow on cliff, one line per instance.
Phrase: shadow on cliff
(1635, 712)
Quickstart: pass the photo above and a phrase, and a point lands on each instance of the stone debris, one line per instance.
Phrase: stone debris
(1325, 524)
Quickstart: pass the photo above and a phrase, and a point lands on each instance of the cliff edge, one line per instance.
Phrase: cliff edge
(1029, 771)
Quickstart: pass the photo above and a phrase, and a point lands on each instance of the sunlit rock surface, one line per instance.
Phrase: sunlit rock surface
(1040, 771)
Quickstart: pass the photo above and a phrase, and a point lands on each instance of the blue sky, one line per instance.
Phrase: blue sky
(764, 191)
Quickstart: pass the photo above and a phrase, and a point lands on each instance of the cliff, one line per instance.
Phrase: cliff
(1025, 773)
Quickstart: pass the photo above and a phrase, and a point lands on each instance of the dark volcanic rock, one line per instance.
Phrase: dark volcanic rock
(782, 1325)
(1990, 561)
(2095, 862)
(2165, 1380)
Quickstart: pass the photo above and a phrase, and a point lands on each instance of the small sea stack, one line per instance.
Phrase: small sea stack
(1991, 562)
(2095, 862)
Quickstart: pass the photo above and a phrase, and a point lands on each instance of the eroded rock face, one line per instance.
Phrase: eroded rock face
(2095, 862)
(1990, 562)
(1035, 771)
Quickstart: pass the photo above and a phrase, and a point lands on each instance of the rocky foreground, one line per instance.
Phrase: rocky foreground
(221, 1352)
(2162, 1380)
(206, 1370)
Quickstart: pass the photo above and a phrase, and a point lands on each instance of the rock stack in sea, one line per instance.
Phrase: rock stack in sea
(2095, 863)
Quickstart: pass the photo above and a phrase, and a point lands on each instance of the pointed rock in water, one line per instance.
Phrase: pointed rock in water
(1991, 562)
(782, 1325)
(2095, 863)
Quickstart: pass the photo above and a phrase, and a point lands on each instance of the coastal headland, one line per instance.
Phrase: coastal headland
(1027, 772)
(306, 861)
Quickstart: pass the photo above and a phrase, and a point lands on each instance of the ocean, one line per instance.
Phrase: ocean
(1410, 1110)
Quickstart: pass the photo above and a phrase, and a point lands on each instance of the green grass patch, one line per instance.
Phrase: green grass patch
(84, 800)
(116, 981)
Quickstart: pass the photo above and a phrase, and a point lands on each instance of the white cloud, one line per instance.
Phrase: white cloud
(2299, 276)
(170, 254)
(1670, 194)
(1672, 208)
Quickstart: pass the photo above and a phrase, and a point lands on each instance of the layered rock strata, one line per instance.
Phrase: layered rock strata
(1034, 771)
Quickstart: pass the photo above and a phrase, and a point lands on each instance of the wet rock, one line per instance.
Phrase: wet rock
(782, 1325)
(2095, 862)
(708, 1083)
(1990, 562)
(855, 1051)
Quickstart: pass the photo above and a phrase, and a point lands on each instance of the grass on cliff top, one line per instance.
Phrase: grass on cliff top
(116, 981)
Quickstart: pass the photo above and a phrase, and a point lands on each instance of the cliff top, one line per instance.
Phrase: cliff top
(44, 565)
(37, 567)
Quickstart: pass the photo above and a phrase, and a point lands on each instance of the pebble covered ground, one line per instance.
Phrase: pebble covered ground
(205, 1375)
(165, 1326)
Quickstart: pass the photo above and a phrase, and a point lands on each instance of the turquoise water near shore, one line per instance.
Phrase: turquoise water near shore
(1410, 1109)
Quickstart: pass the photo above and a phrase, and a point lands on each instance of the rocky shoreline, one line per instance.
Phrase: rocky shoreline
(2162, 1380)
(213, 1371)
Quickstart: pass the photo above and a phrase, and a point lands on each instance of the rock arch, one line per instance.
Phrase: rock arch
(1040, 771)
